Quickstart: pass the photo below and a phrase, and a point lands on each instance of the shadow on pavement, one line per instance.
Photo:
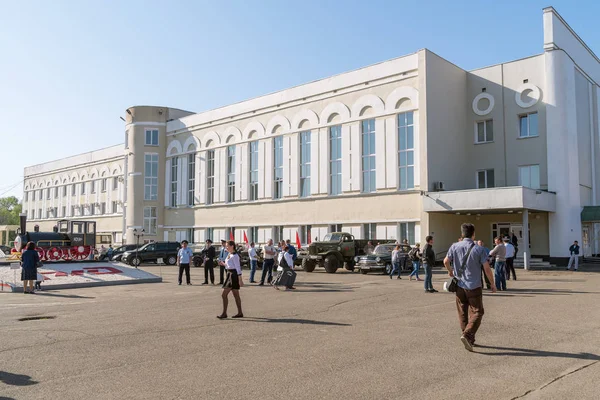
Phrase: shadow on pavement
(293, 321)
(16, 379)
(68, 296)
(513, 351)
(547, 291)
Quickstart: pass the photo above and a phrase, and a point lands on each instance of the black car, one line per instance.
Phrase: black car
(379, 260)
(152, 252)
(118, 252)
(5, 249)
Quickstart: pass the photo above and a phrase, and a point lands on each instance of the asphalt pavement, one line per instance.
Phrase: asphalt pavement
(342, 335)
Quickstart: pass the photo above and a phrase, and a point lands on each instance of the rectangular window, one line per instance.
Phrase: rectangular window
(40, 216)
(253, 171)
(151, 137)
(305, 234)
(529, 176)
(72, 211)
(368, 155)
(406, 151)
(253, 234)
(278, 167)
(115, 183)
(528, 125)
(407, 231)
(210, 177)
(82, 187)
(40, 194)
(335, 160)
(102, 208)
(56, 192)
(230, 233)
(150, 220)
(33, 195)
(64, 191)
(25, 196)
(191, 186)
(305, 164)
(64, 211)
(231, 174)
(114, 207)
(335, 228)
(484, 131)
(209, 233)
(73, 189)
(485, 179)
(48, 195)
(93, 209)
(174, 182)
(93, 187)
(369, 231)
(277, 234)
(104, 184)
(150, 176)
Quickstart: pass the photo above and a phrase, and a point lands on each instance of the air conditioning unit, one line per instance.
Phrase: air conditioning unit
(438, 186)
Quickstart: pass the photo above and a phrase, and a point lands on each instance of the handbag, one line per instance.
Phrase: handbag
(452, 283)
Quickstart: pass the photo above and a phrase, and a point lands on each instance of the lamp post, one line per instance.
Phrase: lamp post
(137, 235)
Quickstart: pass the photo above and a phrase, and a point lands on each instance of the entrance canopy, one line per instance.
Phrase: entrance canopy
(501, 199)
(590, 214)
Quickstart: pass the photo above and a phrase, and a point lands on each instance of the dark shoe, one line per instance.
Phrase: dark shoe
(252, 281)
(205, 283)
(427, 291)
(189, 283)
(222, 316)
(179, 283)
(261, 284)
(433, 291)
(238, 316)
(390, 277)
(292, 288)
(468, 345)
(398, 277)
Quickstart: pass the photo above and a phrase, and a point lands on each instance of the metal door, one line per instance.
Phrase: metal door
(585, 237)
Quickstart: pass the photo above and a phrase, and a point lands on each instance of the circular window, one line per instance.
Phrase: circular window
(477, 101)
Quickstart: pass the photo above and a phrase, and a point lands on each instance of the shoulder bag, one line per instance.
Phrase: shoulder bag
(452, 283)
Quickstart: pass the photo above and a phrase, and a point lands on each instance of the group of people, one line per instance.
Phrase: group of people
(403, 253)
(501, 259)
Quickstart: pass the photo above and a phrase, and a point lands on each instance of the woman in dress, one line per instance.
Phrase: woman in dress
(233, 282)
(29, 261)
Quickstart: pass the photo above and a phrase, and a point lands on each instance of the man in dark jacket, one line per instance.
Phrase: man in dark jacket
(209, 265)
(428, 263)
(574, 255)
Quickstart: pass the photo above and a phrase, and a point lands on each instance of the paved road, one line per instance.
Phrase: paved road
(338, 336)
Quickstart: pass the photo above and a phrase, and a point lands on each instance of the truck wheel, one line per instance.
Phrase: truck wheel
(331, 264)
(349, 265)
(308, 265)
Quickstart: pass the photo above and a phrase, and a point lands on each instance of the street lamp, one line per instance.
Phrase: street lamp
(137, 235)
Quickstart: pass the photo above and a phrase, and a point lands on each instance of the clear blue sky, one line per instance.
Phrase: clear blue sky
(69, 69)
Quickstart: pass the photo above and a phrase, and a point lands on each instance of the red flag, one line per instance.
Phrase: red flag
(245, 237)
(231, 236)
(298, 240)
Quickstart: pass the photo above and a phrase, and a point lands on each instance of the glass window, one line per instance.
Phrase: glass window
(529, 176)
(406, 150)
(369, 231)
(115, 183)
(253, 171)
(335, 160)
(277, 234)
(56, 191)
(253, 234)
(209, 234)
(368, 155)
(40, 215)
(407, 231)
(102, 208)
(104, 184)
(93, 186)
(278, 167)
(174, 182)
(305, 164)
(231, 174)
(48, 194)
(210, 176)
(32, 195)
(335, 228)
(114, 207)
(191, 187)
(150, 176)
(485, 131)
(73, 189)
(64, 191)
(485, 179)
(305, 234)
(528, 125)
(83, 184)
(151, 137)
(150, 220)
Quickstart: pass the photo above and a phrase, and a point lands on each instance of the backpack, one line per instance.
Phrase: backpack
(412, 254)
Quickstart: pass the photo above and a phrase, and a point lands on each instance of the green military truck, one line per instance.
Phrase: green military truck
(336, 249)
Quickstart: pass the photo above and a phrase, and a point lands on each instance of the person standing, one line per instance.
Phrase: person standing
(404, 250)
(428, 263)
(233, 282)
(369, 248)
(209, 253)
(515, 242)
(483, 275)
(499, 253)
(109, 252)
(396, 261)
(268, 261)
(29, 261)
(222, 256)
(414, 255)
(574, 252)
(285, 268)
(253, 261)
(510, 259)
(464, 261)
(184, 256)
(292, 250)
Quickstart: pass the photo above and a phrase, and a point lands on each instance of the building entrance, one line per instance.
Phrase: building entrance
(504, 229)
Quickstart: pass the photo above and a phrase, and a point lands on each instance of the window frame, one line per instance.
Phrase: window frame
(278, 168)
(174, 182)
(335, 177)
(210, 177)
(150, 177)
(407, 151)
(150, 221)
(231, 170)
(191, 179)
(372, 172)
(486, 171)
(404, 231)
(253, 170)
(152, 137)
(528, 116)
(485, 131)
(529, 166)
(304, 171)
(369, 228)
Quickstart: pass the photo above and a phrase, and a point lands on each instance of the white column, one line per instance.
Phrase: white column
(315, 161)
(561, 132)
(294, 161)
(324, 161)
(355, 158)
(391, 152)
(346, 156)
(380, 154)
(526, 251)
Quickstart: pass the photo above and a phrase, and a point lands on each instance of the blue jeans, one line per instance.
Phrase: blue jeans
(428, 276)
(267, 269)
(500, 275)
(253, 265)
(396, 268)
(415, 271)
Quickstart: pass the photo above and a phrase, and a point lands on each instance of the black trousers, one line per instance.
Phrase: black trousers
(209, 268)
(186, 268)
(221, 275)
(510, 266)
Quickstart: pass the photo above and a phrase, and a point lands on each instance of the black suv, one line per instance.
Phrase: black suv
(152, 252)
(118, 252)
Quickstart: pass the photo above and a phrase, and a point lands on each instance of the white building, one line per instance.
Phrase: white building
(401, 149)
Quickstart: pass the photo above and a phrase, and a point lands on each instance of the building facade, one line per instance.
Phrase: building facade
(401, 149)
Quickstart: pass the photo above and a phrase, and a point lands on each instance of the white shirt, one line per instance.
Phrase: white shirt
(269, 248)
(232, 262)
(288, 259)
(510, 250)
(252, 253)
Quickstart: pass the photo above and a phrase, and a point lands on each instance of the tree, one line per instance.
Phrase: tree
(10, 208)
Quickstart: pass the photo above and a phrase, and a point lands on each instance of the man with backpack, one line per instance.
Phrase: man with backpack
(414, 255)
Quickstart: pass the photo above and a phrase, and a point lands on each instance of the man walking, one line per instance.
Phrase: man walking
(510, 258)
(574, 251)
(466, 260)
(268, 261)
(253, 262)
(184, 256)
(222, 256)
(209, 262)
(428, 263)
(499, 253)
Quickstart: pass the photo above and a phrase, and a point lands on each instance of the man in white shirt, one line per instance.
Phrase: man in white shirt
(269, 252)
(253, 262)
(510, 259)
(184, 256)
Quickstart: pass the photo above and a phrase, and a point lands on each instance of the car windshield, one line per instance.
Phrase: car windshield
(332, 237)
(122, 248)
(383, 249)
